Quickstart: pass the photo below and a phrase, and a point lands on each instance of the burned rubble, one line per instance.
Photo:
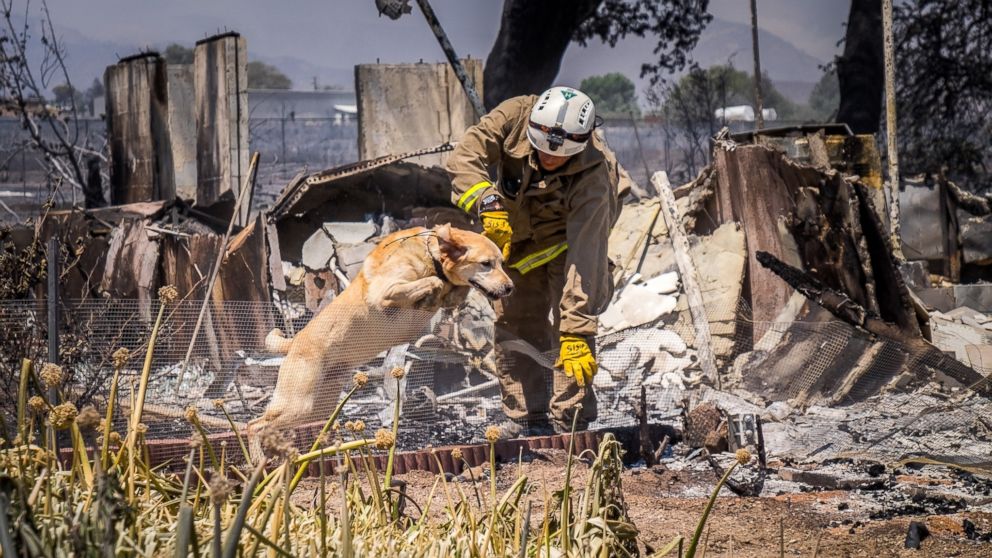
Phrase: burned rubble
(781, 356)
(820, 346)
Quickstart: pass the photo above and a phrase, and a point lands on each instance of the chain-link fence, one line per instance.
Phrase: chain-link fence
(824, 389)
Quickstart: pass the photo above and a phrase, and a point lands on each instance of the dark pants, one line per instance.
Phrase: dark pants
(531, 314)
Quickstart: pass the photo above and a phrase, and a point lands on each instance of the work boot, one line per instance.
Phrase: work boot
(562, 428)
(540, 427)
(510, 429)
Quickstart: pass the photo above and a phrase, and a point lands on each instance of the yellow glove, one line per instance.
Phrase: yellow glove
(496, 227)
(577, 360)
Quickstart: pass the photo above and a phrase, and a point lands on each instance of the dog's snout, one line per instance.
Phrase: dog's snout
(507, 289)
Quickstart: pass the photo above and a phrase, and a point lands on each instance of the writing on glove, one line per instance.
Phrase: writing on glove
(496, 227)
(576, 359)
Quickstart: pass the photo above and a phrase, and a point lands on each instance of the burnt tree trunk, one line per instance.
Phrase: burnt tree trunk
(532, 40)
(860, 70)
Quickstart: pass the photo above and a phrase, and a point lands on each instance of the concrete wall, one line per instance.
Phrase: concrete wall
(182, 128)
(138, 130)
(220, 80)
(404, 107)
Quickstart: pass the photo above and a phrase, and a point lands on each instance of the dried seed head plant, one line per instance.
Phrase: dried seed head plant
(168, 294)
(120, 357)
(275, 443)
(37, 404)
(384, 439)
(191, 415)
(51, 375)
(743, 456)
(89, 418)
(220, 489)
(492, 434)
(63, 415)
(360, 379)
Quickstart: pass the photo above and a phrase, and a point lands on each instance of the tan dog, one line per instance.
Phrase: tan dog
(403, 282)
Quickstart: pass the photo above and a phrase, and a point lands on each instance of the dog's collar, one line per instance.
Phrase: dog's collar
(438, 267)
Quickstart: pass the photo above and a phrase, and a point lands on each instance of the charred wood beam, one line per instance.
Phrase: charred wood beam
(974, 204)
(643, 432)
(922, 353)
(894, 302)
(687, 271)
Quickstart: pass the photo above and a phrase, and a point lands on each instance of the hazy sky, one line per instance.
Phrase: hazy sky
(341, 33)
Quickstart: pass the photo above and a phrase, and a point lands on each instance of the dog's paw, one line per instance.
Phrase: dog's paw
(429, 286)
(432, 296)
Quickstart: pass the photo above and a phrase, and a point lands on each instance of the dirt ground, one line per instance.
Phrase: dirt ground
(664, 504)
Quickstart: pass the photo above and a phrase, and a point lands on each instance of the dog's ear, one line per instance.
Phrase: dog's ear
(450, 247)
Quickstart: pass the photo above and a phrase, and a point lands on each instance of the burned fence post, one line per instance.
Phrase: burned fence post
(406, 107)
(759, 110)
(138, 130)
(182, 128)
(892, 148)
(221, 99)
(53, 302)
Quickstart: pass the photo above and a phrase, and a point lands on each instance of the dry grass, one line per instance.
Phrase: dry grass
(110, 502)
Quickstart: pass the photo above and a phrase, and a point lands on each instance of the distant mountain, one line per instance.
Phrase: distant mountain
(87, 58)
(795, 91)
(780, 59)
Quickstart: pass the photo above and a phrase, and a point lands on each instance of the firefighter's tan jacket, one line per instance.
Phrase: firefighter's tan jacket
(565, 213)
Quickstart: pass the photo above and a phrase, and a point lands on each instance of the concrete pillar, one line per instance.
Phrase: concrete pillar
(182, 129)
(138, 130)
(404, 107)
(221, 99)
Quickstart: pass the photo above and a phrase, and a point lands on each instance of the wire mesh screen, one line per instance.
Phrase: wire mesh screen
(824, 389)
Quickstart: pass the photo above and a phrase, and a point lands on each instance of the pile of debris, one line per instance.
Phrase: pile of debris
(840, 328)
(806, 309)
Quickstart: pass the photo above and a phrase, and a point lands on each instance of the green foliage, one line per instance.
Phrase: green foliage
(825, 97)
(688, 108)
(95, 90)
(675, 24)
(67, 96)
(612, 93)
(721, 85)
(260, 74)
(265, 76)
(178, 54)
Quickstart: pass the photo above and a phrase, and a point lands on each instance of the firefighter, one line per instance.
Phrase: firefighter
(549, 205)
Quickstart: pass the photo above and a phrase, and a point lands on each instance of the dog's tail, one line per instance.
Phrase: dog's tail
(275, 342)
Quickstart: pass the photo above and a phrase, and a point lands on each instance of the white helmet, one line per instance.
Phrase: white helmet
(561, 121)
